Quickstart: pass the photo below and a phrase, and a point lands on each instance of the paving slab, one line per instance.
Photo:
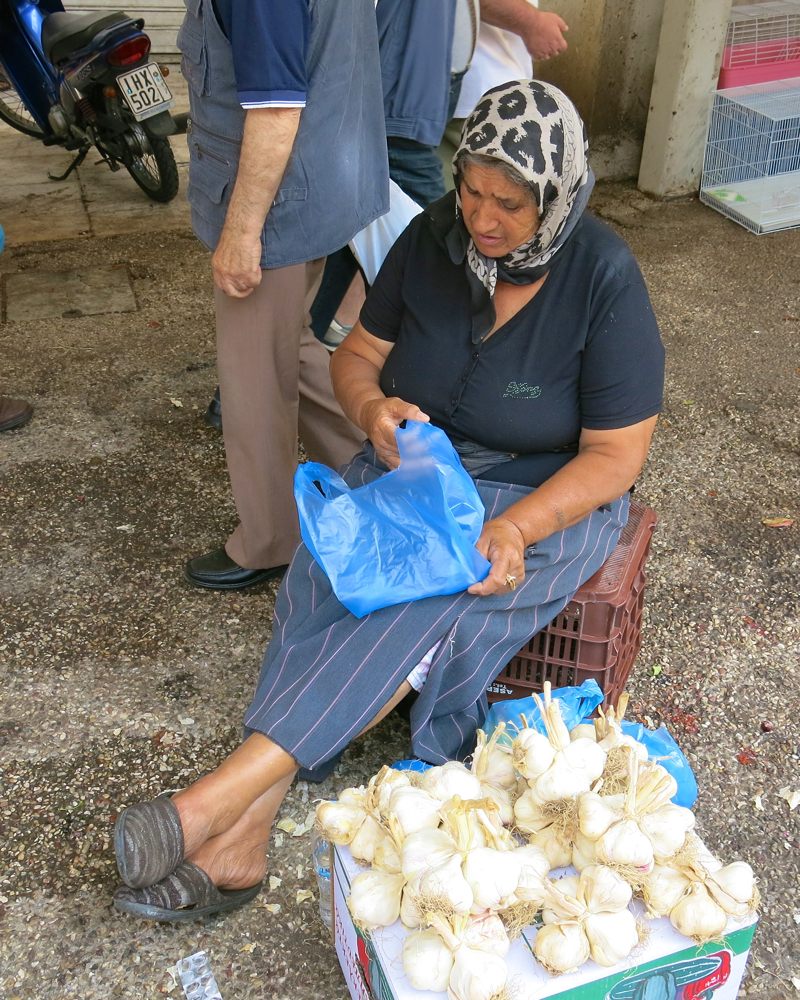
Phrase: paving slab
(91, 291)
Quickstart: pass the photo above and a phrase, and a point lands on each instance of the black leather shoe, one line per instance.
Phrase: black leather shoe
(213, 415)
(218, 571)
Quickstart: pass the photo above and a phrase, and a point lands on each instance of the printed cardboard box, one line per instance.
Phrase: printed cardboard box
(668, 967)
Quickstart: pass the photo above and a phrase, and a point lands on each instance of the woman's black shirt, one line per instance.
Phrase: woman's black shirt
(584, 352)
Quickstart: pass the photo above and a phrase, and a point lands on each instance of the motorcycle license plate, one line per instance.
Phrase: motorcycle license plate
(145, 91)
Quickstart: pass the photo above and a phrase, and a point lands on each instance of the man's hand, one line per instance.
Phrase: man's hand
(380, 418)
(237, 264)
(266, 146)
(541, 30)
(545, 38)
(501, 542)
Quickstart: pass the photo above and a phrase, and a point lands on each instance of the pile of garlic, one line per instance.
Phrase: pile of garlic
(462, 855)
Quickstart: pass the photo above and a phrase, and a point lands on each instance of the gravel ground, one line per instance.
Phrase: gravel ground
(118, 679)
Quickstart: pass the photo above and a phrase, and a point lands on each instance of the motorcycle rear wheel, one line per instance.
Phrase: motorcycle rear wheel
(13, 111)
(153, 165)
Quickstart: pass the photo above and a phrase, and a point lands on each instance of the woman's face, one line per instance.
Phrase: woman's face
(499, 215)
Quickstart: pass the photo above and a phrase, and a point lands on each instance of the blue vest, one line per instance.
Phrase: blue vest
(337, 178)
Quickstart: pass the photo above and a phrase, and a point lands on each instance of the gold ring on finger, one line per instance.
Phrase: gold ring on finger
(511, 581)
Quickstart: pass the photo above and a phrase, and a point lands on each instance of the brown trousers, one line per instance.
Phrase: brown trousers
(275, 383)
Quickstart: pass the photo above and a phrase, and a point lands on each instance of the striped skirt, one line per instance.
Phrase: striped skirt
(327, 674)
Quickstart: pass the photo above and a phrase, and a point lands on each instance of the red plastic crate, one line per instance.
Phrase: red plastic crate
(599, 632)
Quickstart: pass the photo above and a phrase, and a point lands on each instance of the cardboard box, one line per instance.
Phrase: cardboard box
(668, 967)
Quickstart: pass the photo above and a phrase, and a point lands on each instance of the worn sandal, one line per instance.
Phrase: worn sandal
(187, 894)
(148, 841)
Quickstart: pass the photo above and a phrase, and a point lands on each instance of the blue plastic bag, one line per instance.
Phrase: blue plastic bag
(408, 535)
(662, 747)
(576, 704)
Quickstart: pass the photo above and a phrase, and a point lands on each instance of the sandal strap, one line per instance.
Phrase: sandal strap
(148, 839)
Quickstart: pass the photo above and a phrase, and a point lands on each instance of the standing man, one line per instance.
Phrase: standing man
(287, 163)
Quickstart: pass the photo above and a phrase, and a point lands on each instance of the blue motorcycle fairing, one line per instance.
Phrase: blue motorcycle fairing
(34, 79)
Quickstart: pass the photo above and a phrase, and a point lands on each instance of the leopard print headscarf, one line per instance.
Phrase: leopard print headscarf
(534, 127)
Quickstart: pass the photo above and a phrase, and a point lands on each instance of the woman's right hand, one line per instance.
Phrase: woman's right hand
(380, 418)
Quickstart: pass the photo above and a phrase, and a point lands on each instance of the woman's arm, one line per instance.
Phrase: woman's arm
(605, 467)
(355, 372)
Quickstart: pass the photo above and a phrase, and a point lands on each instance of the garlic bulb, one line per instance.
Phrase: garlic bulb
(561, 947)
(575, 765)
(583, 852)
(493, 877)
(477, 975)
(603, 890)
(529, 814)
(584, 731)
(612, 936)
(374, 899)
(532, 753)
(662, 890)
(533, 870)
(451, 779)
(387, 857)
(409, 910)
(425, 850)
(487, 933)
(340, 821)
(414, 809)
(698, 916)
(381, 787)
(444, 888)
(354, 796)
(367, 838)
(624, 844)
(666, 829)
(596, 813)
(427, 961)
(734, 889)
(568, 887)
(492, 762)
(556, 849)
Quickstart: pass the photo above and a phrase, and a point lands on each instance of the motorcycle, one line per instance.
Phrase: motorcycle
(83, 81)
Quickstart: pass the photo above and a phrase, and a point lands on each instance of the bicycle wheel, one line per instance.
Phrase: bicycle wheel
(151, 164)
(13, 111)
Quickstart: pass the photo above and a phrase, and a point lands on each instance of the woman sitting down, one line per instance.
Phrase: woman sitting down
(521, 326)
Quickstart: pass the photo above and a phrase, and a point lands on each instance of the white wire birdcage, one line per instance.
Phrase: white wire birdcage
(751, 170)
(762, 33)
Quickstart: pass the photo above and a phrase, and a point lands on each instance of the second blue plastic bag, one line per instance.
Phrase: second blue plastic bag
(408, 535)
(576, 704)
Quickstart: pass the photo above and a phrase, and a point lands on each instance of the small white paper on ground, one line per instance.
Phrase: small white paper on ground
(792, 797)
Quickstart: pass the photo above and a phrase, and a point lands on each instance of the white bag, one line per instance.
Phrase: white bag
(373, 243)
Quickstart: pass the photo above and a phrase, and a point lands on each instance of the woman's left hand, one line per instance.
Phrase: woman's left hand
(501, 542)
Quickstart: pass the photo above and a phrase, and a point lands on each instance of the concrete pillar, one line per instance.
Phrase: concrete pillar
(686, 71)
(608, 72)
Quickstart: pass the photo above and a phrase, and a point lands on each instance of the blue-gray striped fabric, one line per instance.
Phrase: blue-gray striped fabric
(326, 674)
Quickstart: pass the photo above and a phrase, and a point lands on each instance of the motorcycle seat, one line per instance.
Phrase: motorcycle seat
(65, 32)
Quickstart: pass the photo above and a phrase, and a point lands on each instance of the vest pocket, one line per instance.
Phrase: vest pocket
(192, 44)
(211, 171)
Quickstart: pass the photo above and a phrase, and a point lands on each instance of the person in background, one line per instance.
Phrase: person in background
(13, 412)
(511, 36)
(287, 163)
